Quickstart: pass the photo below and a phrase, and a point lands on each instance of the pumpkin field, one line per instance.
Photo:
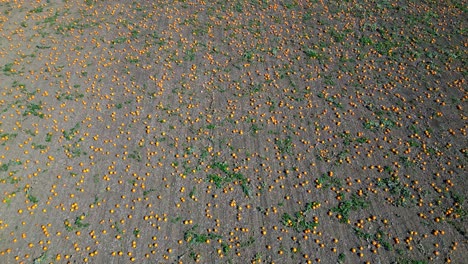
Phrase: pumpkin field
(244, 131)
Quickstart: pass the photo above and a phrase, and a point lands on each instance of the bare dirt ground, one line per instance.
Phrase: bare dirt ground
(242, 131)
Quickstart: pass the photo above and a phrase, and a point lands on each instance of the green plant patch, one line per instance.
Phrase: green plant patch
(345, 207)
(228, 176)
(194, 237)
(299, 220)
(34, 109)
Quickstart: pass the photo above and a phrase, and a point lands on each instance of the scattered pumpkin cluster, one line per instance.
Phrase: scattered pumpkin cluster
(225, 131)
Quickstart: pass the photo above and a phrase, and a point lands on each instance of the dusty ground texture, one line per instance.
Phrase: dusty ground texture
(241, 131)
